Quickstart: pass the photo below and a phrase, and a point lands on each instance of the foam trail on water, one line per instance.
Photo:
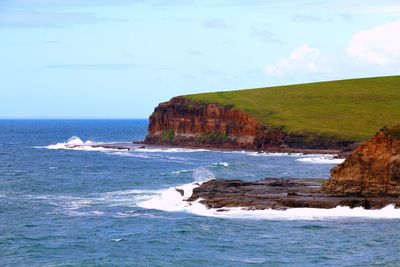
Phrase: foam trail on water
(94, 204)
(182, 171)
(171, 150)
(321, 160)
(264, 154)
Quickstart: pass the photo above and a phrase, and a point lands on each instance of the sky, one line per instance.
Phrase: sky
(120, 58)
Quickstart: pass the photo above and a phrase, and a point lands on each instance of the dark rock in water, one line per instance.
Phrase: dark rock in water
(120, 146)
(180, 191)
(279, 194)
(372, 169)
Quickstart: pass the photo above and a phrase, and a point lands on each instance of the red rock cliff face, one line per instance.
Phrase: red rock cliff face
(184, 122)
(372, 169)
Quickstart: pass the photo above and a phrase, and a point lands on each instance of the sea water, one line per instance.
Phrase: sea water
(63, 206)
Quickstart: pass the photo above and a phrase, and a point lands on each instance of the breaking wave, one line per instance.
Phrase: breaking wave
(174, 199)
(171, 200)
(221, 164)
(75, 143)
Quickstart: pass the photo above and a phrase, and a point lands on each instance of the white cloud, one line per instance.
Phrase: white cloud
(379, 45)
(305, 59)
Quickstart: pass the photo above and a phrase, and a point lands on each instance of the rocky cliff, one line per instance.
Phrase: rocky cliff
(185, 122)
(372, 169)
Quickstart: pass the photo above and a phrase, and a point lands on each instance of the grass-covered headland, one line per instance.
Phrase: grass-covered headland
(348, 109)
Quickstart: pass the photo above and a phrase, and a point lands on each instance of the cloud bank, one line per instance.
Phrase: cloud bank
(379, 45)
(305, 59)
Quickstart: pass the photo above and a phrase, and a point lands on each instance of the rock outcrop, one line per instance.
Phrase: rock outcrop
(368, 178)
(185, 122)
(279, 194)
(372, 169)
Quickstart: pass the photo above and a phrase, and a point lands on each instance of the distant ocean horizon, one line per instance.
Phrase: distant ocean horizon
(94, 206)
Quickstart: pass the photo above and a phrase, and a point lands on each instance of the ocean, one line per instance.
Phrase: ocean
(106, 207)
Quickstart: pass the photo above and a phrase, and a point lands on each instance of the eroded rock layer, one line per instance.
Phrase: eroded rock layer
(279, 194)
(373, 168)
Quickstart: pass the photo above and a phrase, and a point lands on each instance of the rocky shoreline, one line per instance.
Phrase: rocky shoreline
(280, 194)
(368, 178)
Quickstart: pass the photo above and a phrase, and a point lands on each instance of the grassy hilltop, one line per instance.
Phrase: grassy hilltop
(350, 109)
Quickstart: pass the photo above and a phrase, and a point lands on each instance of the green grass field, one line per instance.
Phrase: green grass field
(350, 109)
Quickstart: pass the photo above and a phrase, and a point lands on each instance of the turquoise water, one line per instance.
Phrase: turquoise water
(63, 207)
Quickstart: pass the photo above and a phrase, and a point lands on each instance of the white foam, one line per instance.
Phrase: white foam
(75, 140)
(321, 160)
(171, 200)
(181, 171)
(389, 212)
(75, 143)
(264, 154)
(170, 150)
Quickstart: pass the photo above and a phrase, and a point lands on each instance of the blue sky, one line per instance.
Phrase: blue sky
(120, 58)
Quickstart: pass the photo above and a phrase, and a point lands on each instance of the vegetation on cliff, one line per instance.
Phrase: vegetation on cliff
(348, 109)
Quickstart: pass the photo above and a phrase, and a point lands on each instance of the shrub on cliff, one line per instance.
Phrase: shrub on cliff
(167, 135)
(212, 137)
(392, 131)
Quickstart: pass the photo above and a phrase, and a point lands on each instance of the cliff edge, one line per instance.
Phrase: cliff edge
(185, 122)
(372, 169)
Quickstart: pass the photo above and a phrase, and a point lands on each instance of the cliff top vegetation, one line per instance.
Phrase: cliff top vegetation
(352, 109)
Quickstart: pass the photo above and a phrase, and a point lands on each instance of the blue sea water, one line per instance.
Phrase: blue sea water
(88, 207)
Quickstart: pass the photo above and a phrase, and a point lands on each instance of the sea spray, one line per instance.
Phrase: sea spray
(202, 175)
(75, 143)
